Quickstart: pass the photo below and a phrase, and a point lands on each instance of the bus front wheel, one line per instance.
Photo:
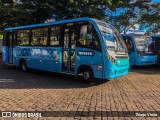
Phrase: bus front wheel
(88, 75)
(23, 65)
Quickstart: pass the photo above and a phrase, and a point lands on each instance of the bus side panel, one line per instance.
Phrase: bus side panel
(42, 58)
(90, 58)
(5, 54)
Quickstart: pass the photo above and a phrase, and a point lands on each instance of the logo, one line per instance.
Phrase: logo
(6, 114)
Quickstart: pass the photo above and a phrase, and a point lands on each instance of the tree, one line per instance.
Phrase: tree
(12, 15)
(151, 19)
(122, 14)
(132, 13)
(38, 9)
(23, 12)
(80, 8)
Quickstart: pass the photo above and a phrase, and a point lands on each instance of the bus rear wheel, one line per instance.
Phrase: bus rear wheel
(23, 65)
(88, 75)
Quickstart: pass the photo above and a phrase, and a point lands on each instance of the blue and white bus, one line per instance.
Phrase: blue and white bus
(140, 48)
(83, 46)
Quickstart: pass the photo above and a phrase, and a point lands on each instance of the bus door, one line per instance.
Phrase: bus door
(69, 45)
(130, 47)
(10, 43)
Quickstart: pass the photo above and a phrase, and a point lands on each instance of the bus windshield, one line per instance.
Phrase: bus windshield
(144, 44)
(111, 37)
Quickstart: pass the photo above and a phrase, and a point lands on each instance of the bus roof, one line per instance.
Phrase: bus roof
(126, 35)
(133, 35)
(155, 35)
(50, 23)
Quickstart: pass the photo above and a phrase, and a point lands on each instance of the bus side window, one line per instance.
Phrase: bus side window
(23, 37)
(55, 35)
(39, 36)
(88, 37)
(128, 43)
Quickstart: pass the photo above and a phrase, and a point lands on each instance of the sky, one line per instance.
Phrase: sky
(155, 0)
(120, 10)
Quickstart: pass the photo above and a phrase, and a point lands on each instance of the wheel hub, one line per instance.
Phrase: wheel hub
(86, 75)
(24, 67)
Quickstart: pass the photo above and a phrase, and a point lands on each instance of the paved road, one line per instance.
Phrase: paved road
(44, 91)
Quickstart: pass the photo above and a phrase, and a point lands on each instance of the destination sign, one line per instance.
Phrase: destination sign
(85, 53)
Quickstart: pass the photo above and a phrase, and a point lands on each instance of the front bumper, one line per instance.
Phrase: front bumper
(116, 72)
(146, 61)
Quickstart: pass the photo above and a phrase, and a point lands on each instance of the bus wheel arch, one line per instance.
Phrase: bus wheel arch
(87, 73)
(23, 64)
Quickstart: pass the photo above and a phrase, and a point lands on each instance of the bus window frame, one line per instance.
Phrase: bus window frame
(60, 36)
(32, 35)
(48, 36)
(29, 37)
(76, 24)
(95, 33)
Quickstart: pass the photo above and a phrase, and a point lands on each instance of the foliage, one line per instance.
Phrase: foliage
(151, 19)
(80, 8)
(141, 12)
(122, 14)
(23, 12)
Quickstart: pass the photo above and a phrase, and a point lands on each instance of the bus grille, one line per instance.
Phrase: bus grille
(121, 71)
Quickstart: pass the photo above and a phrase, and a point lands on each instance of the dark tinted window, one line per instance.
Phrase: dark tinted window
(55, 35)
(39, 36)
(23, 37)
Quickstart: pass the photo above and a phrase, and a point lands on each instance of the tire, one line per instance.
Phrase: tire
(23, 66)
(88, 75)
